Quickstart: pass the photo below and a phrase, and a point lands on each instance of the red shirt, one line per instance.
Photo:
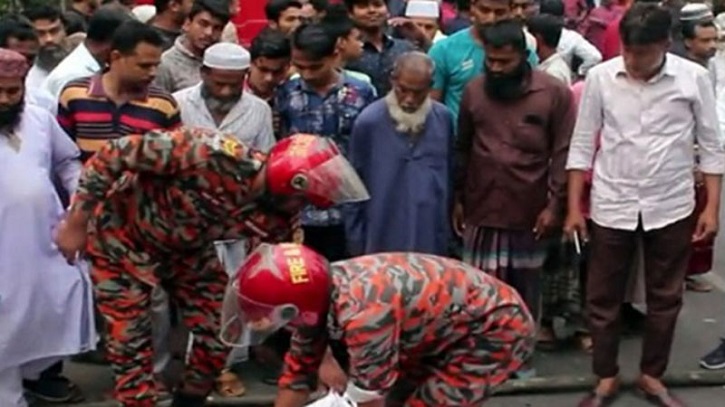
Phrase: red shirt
(610, 43)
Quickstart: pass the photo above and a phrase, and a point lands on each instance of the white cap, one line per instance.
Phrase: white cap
(423, 9)
(228, 56)
(144, 13)
(696, 12)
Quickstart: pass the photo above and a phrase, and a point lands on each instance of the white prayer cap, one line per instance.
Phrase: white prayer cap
(227, 56)
(423, 9)
(144, 13)
(696, 12)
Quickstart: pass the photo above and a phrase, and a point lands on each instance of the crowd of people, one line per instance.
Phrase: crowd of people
(570, 152)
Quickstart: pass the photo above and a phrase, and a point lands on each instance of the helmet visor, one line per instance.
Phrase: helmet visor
(248, 323)
(335, 181)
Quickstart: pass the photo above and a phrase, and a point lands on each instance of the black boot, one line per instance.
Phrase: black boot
(188, 400)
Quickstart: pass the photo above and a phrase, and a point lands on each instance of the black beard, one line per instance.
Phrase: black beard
(507, 87)
(49, 57)
(10, 115)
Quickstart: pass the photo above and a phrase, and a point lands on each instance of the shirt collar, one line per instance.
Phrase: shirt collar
(179, 45)
(95, 89)
(388, 42)
(342, 81)
(668, 69)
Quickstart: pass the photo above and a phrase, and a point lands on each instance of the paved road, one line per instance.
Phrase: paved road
(700, 397)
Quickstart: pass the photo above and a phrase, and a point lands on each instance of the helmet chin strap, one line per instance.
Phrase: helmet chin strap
(259, 182)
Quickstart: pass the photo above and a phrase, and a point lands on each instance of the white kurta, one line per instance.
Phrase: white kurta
(45, 304)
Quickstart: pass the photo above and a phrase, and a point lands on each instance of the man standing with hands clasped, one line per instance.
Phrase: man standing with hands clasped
(650, 108)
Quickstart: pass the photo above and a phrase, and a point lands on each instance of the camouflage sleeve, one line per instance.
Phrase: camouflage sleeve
(216, 157)
(371, 337)
(303, 360)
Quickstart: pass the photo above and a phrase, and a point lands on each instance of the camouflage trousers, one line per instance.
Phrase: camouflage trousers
(124, 278)
(465, 374)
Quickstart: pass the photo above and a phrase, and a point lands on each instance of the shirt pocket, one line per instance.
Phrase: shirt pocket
(530, 137)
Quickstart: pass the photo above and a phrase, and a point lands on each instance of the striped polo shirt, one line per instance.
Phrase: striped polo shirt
(87, 114)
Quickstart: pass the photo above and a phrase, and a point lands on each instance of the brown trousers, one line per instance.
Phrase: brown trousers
(666, 255)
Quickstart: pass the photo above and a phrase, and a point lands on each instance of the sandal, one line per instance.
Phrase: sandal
(697, 285)
(546, 339)
(228, 384)
(584, 342)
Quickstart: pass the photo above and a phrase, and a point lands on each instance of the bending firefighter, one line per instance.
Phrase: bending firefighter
(150, 207)
(416, 330)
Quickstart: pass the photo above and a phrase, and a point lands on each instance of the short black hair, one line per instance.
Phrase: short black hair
(689, 27)
(162, 5)
(15, 28)
(463, 5)
(104, 22)
(547, 27)
(505, 33)
(553, 7)
(352, 3)
(270, 44)
(74, 23)
(274, 8)
(132, 33)
(218, 9)
(314, 40)
(320, 5)
(44, 12)
(337, 21)
(645, 24)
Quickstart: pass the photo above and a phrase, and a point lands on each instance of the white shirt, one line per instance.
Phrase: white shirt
(645, 162)
(78, 64)
(572, 44)
(556, 67)
(250, 120)
(36, 77)
(39, 97)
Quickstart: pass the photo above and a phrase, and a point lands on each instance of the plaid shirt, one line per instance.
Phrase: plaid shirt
(303, 110)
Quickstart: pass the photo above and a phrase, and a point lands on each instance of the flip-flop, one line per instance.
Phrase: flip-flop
(228, 384)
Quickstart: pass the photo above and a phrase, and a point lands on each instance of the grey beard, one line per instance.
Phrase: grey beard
(49, 57)
(217, 105)
(410, 123)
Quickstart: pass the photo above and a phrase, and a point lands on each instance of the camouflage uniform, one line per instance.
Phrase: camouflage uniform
(425, 330)
(158, 201)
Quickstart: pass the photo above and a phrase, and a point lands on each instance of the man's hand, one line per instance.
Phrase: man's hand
(544, 223)
(707, 226)
(332, 375)
(457, 219)
(576, 224)
(410, 31)
(71, 238)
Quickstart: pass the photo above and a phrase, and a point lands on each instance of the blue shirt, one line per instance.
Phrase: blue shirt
(458, 59)
(303, 110)
(379, 64)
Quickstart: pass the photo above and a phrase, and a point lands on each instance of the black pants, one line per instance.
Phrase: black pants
(329, 241)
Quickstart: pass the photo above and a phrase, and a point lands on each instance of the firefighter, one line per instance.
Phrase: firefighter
(417, 329)
(146, 212)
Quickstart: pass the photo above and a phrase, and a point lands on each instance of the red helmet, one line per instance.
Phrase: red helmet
(278, 285)
(314, 168)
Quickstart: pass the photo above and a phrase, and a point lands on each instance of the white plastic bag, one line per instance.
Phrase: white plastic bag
(332, 399)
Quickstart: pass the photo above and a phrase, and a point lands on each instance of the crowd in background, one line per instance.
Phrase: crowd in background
(456, 163)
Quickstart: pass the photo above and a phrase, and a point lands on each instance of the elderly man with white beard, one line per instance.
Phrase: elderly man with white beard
(402, 148)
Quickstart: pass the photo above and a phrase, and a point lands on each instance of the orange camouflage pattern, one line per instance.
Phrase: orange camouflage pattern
(158, 201)
(440, 328)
